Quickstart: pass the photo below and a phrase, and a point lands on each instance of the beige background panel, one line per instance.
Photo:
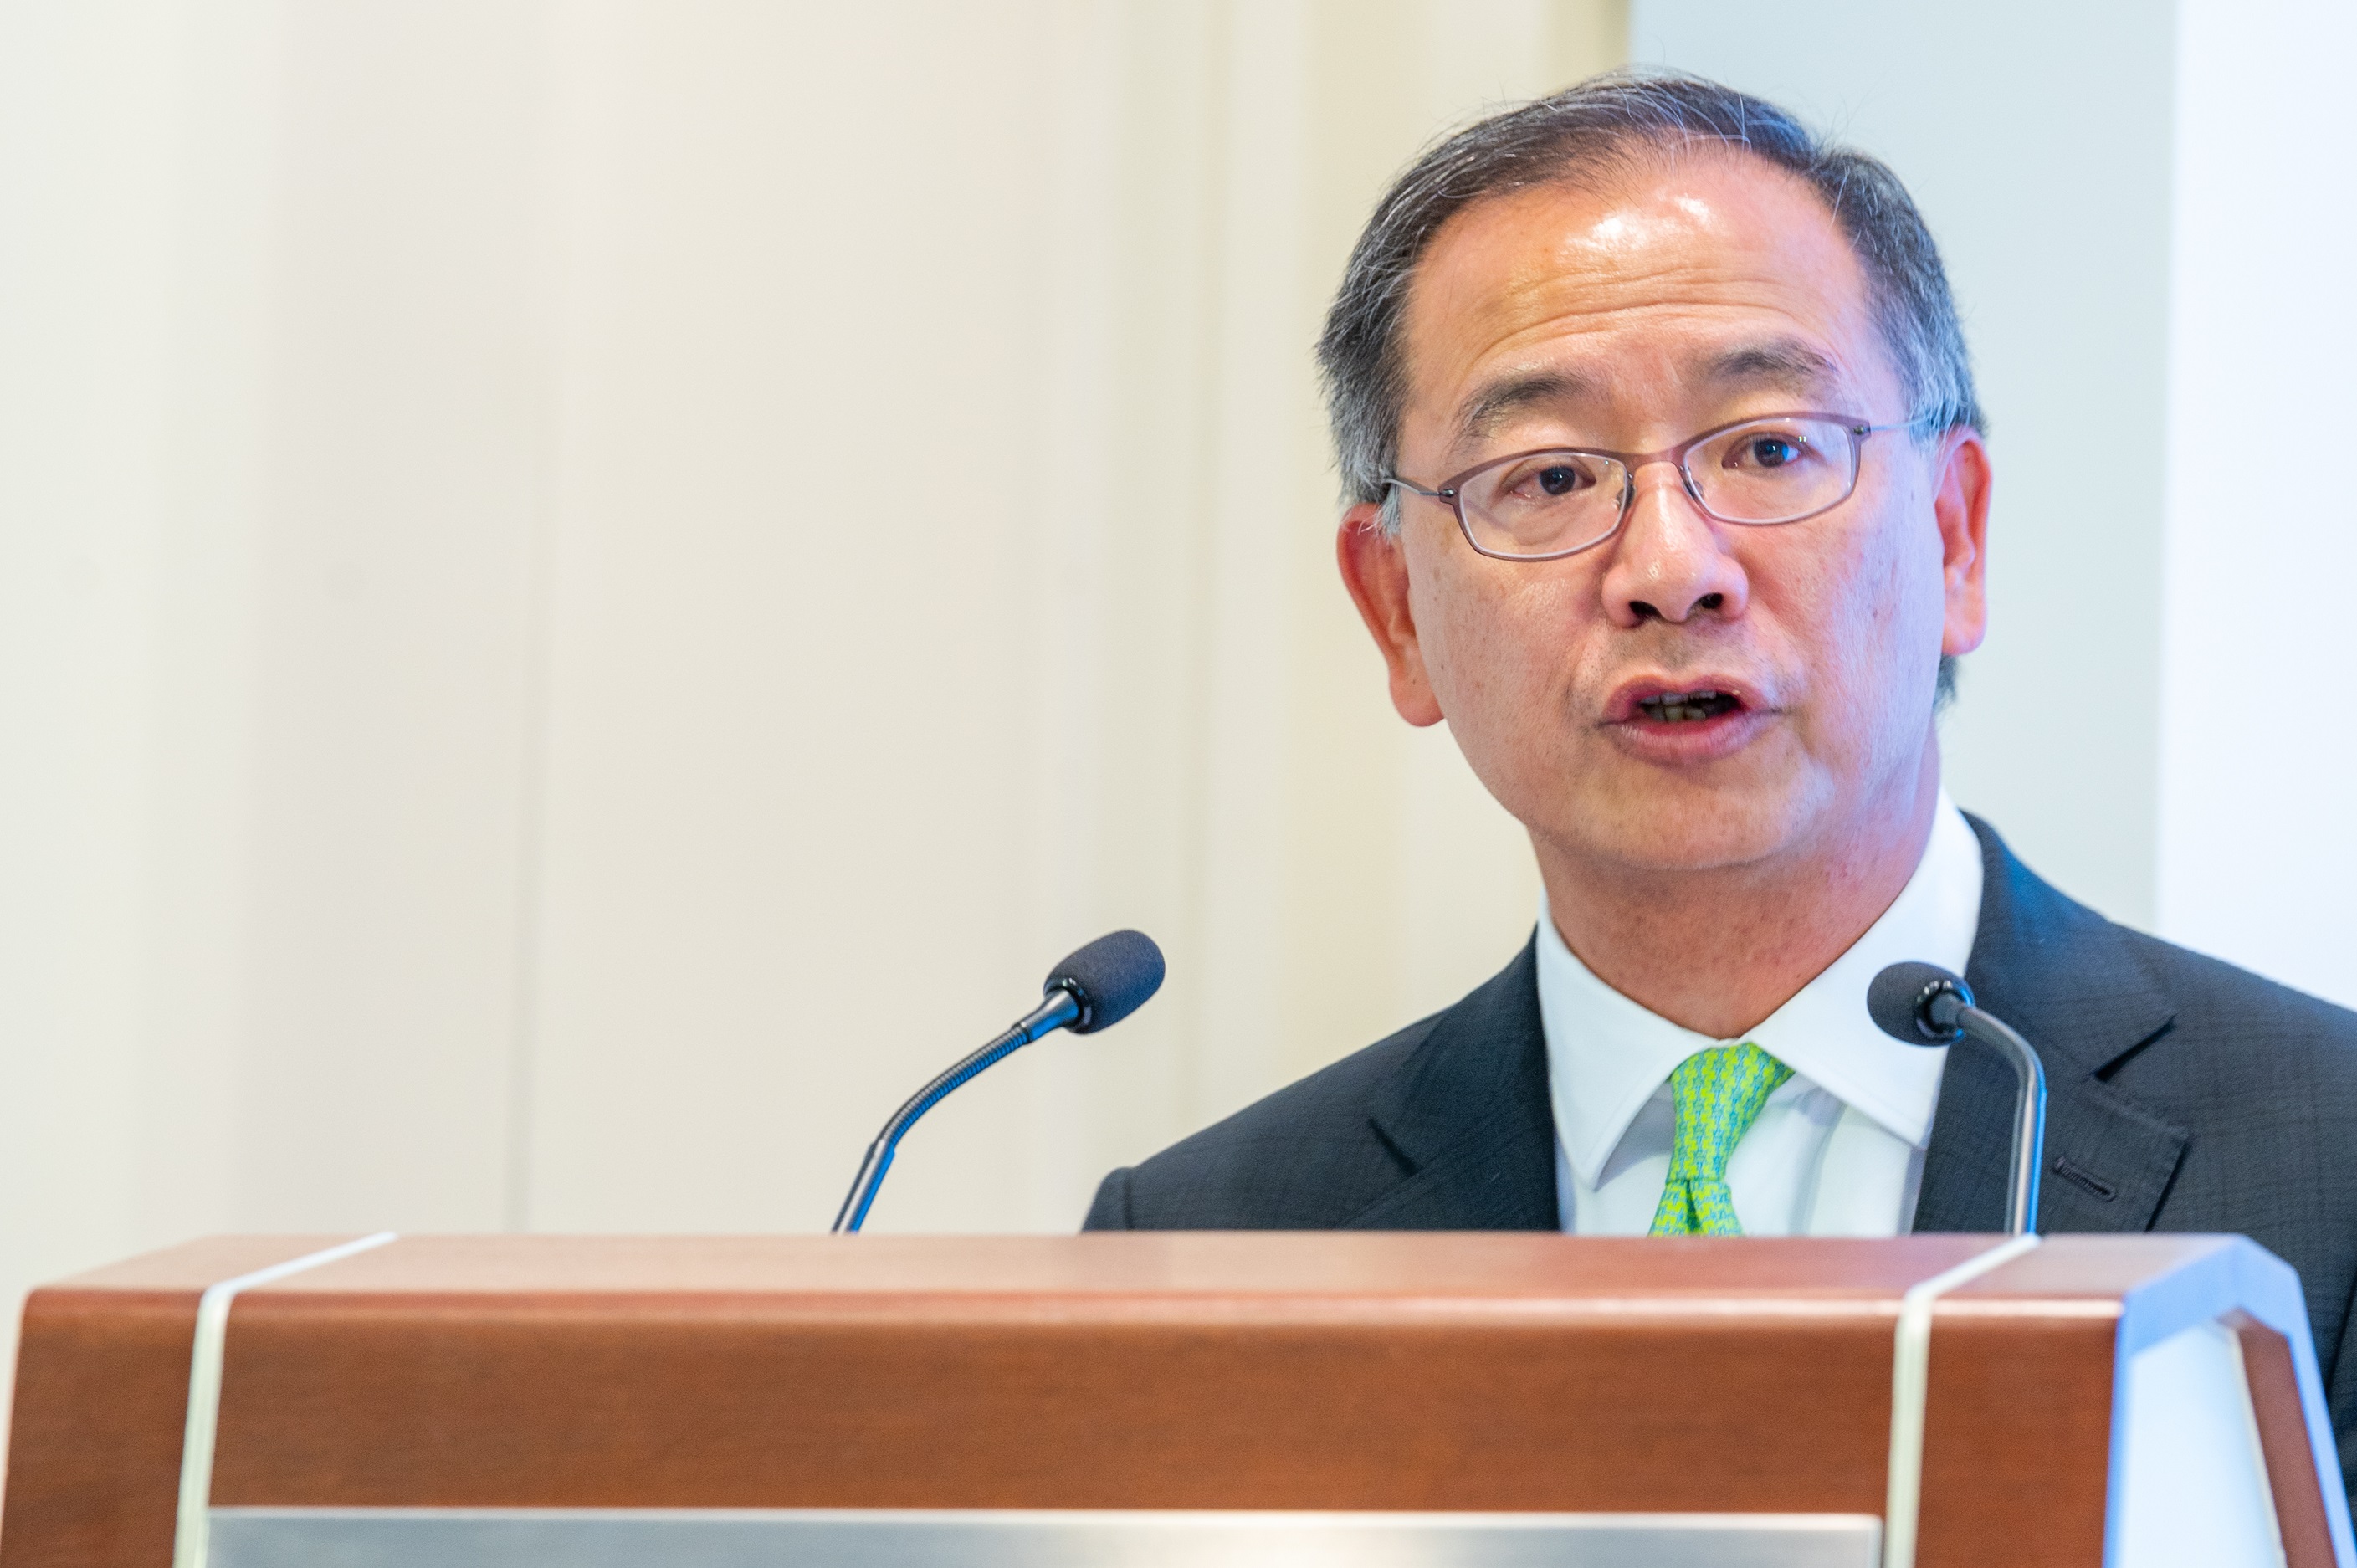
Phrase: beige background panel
(831, 778)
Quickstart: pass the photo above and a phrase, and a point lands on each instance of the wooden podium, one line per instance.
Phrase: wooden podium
(1471, 1398)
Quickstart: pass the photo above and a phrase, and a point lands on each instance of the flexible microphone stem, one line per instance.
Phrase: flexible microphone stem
(1923, 1004)
(1058, 1009)
(2029, 1115)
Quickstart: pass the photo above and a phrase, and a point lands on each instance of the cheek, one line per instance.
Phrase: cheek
(1489, 642)
(1878, 613)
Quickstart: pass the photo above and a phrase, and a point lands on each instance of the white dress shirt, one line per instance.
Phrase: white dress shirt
(1838, 1148)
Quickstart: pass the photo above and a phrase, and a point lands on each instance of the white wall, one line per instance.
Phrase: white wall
(2258, 769)
(2036, 139)
(588, 592)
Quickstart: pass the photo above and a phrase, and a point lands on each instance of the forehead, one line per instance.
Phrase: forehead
(1690, 275)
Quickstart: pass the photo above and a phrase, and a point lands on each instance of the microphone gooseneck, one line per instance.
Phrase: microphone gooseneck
(1923, 1004)
(1098, 986)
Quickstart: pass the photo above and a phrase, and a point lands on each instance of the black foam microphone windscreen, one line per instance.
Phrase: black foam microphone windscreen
(1895, 999)
(1111, 978)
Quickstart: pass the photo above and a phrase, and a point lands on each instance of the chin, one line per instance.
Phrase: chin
(1684, 829)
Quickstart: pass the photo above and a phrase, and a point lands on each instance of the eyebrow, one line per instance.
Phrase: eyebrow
(1783, 363)
(1486, 412)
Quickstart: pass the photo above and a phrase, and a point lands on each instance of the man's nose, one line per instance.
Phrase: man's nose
(1670, 561)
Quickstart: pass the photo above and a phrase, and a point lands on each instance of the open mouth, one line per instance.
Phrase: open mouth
(1687, 707)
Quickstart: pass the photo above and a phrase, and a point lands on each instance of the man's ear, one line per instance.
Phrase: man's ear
(1960, 504)
(1374, 568)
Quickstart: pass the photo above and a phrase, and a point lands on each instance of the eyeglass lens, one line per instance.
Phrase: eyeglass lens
(1771, 470)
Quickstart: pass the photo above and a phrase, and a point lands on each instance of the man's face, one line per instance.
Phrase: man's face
(1692, 292)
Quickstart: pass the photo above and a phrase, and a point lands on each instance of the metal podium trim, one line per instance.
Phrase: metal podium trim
(885, 1538)
(1911, 1381)
(191, 1516)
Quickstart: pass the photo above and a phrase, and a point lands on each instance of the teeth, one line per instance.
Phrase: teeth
(1686, 707)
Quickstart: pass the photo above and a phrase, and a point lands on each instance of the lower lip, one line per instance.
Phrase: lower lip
(1692, 741)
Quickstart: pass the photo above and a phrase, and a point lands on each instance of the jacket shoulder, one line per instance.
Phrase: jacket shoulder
(1307, 1157)
(2053, 948)
(2250, 1024)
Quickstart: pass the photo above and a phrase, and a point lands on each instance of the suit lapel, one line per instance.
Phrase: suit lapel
(2064, 977)
(1468, 1117)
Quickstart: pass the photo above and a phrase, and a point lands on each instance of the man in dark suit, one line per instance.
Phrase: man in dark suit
(1670, 496)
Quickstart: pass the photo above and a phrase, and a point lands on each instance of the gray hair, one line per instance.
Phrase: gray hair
(1601, 125)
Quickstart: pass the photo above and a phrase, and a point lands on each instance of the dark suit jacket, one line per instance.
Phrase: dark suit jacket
(2184, 1094)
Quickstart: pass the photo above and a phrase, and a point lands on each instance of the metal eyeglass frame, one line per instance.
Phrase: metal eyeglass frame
(1452, 489)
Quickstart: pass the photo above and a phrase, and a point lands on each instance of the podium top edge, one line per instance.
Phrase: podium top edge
(1491, 1266)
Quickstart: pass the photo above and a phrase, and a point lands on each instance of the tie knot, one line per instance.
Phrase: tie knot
(1718, 1093)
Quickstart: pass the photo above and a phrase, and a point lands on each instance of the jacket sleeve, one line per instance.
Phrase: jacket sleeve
(1111, 1209)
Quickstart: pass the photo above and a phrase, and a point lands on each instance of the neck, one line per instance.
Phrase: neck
(1717, 950)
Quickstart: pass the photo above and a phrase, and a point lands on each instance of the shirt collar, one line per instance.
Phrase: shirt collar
(1607, 1055)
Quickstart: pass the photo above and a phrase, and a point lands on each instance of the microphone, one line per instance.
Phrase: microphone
(1923, 1004)
(1093, 989)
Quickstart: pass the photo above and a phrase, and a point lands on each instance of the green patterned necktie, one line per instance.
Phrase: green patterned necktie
(1718, 1092)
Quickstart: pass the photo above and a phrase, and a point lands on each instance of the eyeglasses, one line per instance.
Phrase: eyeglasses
(1540, 506)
